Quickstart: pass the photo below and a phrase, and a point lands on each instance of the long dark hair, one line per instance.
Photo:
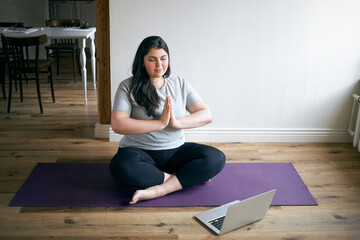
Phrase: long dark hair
(141, 88)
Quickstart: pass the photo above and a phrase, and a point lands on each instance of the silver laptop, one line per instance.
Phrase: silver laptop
(236, 214)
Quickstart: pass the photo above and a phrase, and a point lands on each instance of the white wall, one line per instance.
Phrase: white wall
(31, 13)
(270, 70)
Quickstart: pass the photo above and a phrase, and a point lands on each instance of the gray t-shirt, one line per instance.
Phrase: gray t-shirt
(182, 96)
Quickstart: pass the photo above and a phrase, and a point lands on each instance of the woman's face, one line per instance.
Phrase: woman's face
(156, 62)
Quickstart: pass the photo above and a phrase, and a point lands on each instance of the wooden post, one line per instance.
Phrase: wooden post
(103, 61)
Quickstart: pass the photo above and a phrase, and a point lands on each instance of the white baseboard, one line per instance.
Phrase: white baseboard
(102, 130)
(259, 135)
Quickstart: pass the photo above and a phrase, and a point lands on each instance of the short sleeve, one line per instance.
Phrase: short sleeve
(192, 96)
(122, 100)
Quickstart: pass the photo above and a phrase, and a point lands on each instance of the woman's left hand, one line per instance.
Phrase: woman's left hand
(200, 115)
(174, 123)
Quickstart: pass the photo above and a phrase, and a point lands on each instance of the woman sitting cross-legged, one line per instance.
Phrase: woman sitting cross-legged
(150, 109)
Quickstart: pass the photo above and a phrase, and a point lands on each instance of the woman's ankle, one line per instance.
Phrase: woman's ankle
(167, 176)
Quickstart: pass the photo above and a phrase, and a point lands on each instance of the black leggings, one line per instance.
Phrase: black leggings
(192, 163)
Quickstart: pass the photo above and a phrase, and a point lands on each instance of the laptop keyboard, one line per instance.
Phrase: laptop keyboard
(217, 222)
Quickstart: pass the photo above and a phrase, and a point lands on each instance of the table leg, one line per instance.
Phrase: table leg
(82, 44)
(93, 61)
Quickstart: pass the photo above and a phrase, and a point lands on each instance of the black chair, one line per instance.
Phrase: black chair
(64, 47)
(22, 67)
(2, 73)
(2, 55)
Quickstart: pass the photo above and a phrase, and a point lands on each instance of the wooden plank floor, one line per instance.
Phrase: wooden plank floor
(65, 133)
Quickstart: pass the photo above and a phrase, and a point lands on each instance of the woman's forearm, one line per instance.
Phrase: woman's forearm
(196, 119)
(128, 126)
(200, 115)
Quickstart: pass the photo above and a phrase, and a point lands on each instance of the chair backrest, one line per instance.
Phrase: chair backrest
(9, 24)
(14, 47)
(63, 23)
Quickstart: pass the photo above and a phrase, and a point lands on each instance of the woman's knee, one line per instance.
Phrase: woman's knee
(215, 158)
(209, 162)
(132, 167)
(218, 160)
(212, 159)
(122, 167)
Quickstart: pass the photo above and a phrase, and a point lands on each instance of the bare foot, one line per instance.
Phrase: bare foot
(149, 193)
(172, 184)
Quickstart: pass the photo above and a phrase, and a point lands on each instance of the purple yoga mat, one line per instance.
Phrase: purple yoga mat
(90, 185)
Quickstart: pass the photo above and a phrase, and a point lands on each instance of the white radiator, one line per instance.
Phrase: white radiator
(354, 125)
